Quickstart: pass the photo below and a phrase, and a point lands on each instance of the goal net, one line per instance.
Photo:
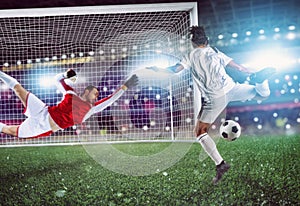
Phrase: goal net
(104, 45)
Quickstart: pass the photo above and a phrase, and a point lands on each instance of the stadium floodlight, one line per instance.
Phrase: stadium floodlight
(104, 44)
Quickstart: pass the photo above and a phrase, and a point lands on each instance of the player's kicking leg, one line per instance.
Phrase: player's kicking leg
(262, 75)
(260, 80)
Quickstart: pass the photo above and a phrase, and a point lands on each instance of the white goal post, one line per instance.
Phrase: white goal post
(104, 45)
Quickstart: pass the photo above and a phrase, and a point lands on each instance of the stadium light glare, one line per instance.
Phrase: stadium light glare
(295, 77)
(261, 31)
(188, 120)
(276, 36)
(247, 39)
(287, 77)
(262, 37)
(248, 33)
(181, 41)
(291, 36)
(270, 58)
(158, 51)
(234, 35)
(292, 27)
(220, 36)
(292, 91)
(276, 29)
(47, 81)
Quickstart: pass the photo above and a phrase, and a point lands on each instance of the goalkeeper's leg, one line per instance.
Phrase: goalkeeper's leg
(21, 93)
(16, 86)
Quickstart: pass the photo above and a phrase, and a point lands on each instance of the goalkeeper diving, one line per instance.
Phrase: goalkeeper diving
(43, 120)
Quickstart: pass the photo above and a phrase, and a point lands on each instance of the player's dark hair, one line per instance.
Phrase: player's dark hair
(198, 35)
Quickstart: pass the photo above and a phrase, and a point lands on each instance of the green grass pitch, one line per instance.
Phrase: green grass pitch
(264, 171)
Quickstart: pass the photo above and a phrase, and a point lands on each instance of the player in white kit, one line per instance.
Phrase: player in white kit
(214, 89)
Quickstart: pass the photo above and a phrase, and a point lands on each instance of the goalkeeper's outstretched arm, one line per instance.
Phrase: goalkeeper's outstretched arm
(109, 100)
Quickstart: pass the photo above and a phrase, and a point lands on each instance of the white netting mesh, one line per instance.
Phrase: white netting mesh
(104, 49)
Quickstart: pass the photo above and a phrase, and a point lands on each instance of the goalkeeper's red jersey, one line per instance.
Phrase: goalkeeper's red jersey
(73, 110)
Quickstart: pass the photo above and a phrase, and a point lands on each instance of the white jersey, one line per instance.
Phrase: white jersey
(208, 68)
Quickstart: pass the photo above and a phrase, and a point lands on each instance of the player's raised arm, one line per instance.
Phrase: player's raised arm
(171, 69)
(60, 83)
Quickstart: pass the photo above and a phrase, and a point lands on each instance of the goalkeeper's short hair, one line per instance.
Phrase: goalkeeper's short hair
(90, 88)
(198, 35)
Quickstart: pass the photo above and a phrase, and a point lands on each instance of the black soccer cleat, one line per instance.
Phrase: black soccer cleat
(221, 170)
(260, 76)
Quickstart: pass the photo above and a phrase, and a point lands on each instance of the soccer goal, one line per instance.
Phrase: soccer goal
(104, 45)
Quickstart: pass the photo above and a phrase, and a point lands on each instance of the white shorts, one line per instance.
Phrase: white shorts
(37, 122)
(212, 108)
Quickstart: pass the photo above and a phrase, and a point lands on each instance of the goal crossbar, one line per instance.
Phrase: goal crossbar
(109, 9)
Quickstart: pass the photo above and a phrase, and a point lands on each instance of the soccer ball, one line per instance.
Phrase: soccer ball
(230, 130)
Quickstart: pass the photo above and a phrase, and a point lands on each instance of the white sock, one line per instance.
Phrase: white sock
(1, 126)
(263, 89)
(8, 80)
(210, 148)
